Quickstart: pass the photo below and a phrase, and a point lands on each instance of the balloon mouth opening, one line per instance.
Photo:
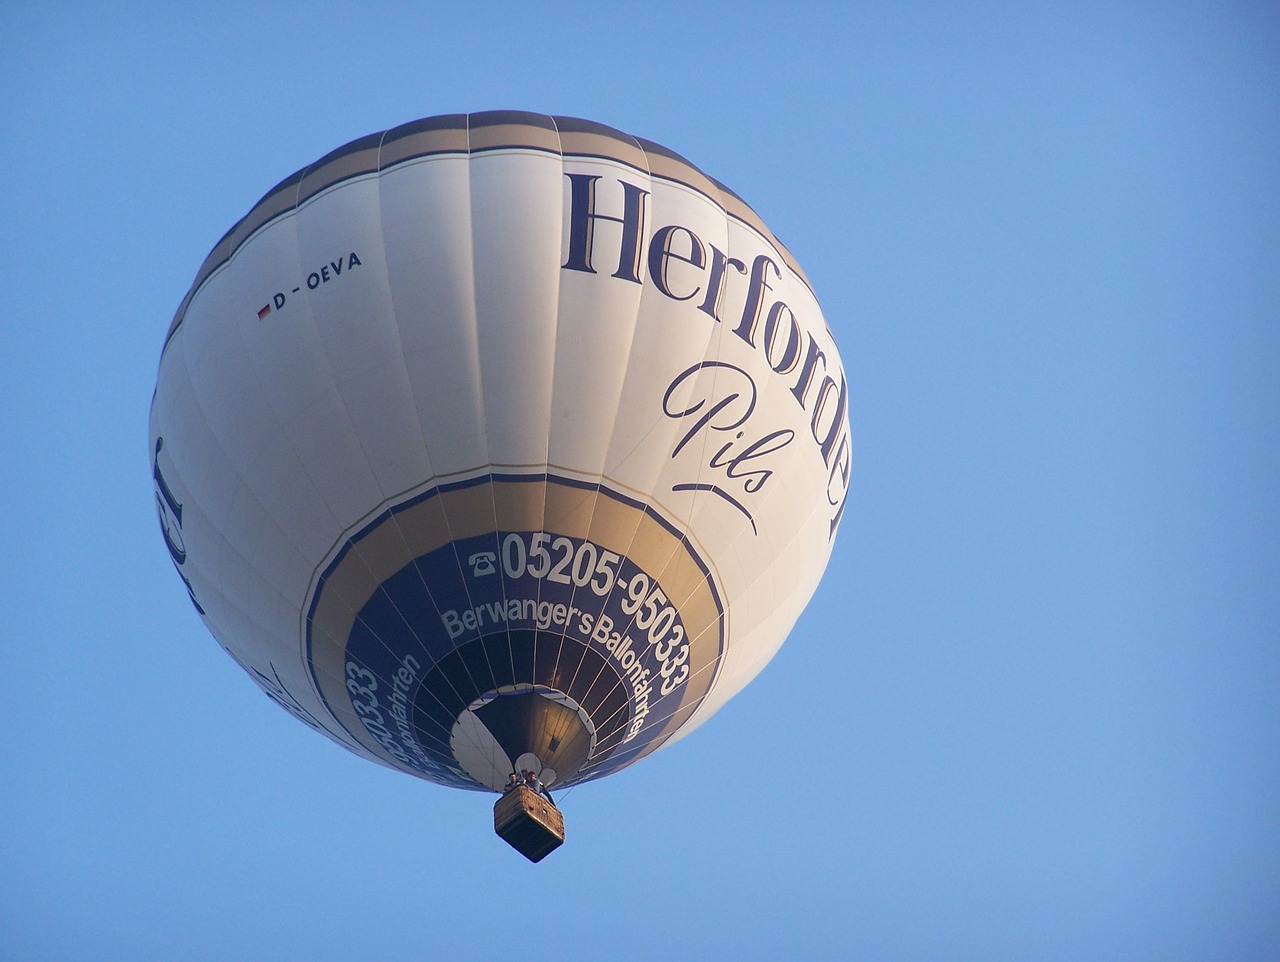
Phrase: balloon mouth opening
(522, 728)
(504, 695)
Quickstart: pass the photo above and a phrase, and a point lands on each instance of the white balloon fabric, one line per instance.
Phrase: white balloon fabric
(496, 436)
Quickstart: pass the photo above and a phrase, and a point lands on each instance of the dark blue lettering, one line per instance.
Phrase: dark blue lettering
(755, 479)
(660, 253)
(811, 360)
(165, 499)
(791, 353)
(820, 404)
(756, 287)
(168, 506)
(582, 218)
(715, 282)
(709, 414)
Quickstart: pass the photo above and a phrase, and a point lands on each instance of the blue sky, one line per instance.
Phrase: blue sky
(1033, 711)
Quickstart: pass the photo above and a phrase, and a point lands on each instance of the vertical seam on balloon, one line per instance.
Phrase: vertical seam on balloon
(394, 321)
(393, 516)
(639, 302)
(480, 395)
(479, 375)
(435, 605)
(551, 401)
(479, 380)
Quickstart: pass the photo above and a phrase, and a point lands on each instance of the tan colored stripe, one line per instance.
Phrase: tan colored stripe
(583, 144)
(513, 135)
(341, 168)
(422, 143)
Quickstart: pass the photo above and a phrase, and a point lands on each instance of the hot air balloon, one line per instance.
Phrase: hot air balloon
(499, 448)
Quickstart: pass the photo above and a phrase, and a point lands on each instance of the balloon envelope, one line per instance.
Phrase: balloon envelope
(500, 440)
